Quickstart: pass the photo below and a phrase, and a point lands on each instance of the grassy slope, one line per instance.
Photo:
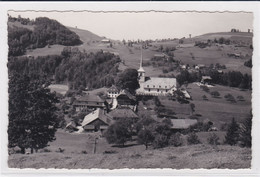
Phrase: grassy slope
(134, 156)
(131, 56)
(217, 110)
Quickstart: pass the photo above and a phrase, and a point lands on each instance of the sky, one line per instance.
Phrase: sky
(148, 25)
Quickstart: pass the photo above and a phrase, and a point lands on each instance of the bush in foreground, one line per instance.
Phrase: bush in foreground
(193, 139)
(213, 139)
(176, 140)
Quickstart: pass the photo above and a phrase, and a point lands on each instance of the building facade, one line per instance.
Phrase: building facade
(154, 85)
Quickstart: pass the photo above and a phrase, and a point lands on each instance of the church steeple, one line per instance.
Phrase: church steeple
(141, 71)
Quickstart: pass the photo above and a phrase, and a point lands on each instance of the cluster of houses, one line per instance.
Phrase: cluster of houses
(120, 104)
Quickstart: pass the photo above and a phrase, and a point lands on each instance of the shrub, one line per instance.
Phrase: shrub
(176, 140)
(193, 138)
(110, 152)
(213, 139)
(160, 141)
(240, 98)
(230, 98)
(204, 97)
(215, 94)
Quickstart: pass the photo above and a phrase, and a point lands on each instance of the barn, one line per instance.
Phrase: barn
(96, 121)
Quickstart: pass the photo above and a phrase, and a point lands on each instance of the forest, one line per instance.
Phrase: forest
(78, 69)
(45, 32)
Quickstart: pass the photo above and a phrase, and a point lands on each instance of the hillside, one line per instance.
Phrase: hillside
(78, 153)
(85, 35)
(24, 34)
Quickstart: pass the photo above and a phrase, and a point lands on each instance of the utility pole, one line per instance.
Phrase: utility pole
(95, 145)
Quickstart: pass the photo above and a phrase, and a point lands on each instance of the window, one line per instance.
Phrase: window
(165, 86)
(147, 85)
(166, 90)
(157, 90)
(153, 86)
(159, 86)
(97, 103)
(149, 90)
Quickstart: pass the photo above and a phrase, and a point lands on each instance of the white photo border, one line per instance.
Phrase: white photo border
(253, 7)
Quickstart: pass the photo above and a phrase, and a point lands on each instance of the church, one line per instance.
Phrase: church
(154, 85)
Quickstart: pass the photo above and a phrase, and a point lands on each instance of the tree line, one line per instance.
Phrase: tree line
(45, 32)
(159, 134)
(231, 78)
(78, 69)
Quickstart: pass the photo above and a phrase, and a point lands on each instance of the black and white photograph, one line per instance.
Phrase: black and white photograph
(130, 89)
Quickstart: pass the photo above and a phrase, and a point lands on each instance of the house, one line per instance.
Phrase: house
(123, 113)
(113, 91)
(96, 121)
(126, 99)
(200, 66)
(181, 124)
(71, 126)
(89, 101)
(155, 85)
(105, 41)
(185, 93)
(206, 80)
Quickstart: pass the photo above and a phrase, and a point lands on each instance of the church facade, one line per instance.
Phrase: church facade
(155, 85)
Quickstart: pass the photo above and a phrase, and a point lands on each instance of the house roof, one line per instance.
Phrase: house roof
(113, 88)
(182, 123)
(160, 82)
(128, 94)
(97, 114)
(91, 98)
(123, 113)
(206, 77)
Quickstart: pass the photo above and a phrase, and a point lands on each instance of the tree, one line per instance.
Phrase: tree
(118, 133)
(245, 132)
(176, 140)
(145, 137)
(193, 138)
(162, 133)
(215, 94)
(32, 113)
(213, 139)
(128, 80)
(232, 135)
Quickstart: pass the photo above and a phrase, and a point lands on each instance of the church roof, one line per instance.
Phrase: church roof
(141, 69)
(160, 82)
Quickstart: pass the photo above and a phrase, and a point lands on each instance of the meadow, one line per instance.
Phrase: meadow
(78, 153)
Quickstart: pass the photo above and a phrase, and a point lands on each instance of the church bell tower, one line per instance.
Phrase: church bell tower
(141, 72)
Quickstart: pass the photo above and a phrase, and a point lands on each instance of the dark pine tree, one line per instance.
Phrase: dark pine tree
(232, 135)
(245, 132)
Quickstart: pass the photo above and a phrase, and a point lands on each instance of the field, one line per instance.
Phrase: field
(78, 153)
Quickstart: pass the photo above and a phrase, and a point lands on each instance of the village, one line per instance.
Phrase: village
(129, 103)
(118, 104)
